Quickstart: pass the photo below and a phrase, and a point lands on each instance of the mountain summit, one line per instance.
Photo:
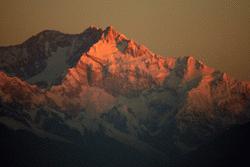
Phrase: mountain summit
(99, 82)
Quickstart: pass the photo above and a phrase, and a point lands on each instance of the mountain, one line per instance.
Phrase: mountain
(48, 54)
(101, 85)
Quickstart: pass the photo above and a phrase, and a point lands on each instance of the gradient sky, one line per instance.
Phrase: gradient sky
(215, 31)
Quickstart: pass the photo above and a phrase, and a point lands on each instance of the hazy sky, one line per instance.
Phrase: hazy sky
(215, 31)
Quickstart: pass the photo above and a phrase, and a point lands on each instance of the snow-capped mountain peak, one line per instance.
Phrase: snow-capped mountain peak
(101, 82)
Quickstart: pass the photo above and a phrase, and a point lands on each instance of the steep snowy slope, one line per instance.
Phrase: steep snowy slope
(105, 83)
(44, 58)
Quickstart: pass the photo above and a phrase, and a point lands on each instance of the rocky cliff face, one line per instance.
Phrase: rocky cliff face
(105, 83)
(43, 58)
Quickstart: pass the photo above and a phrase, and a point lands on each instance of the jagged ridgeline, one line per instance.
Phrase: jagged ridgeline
(99, 93)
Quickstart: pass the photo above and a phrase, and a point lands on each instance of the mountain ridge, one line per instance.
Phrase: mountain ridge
(120, 89)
